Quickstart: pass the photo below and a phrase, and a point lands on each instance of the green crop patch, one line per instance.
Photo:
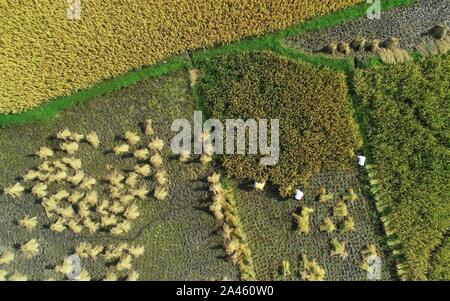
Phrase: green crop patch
(405, 111)
(440, 263)
(317, 132)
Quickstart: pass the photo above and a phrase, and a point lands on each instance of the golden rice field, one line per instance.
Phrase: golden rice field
(45, 55)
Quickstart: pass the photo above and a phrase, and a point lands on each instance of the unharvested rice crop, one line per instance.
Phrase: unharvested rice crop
(45, 54)
(317, 132)
(406, 112)
(440, 264)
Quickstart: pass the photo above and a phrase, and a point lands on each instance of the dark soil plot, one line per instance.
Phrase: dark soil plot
(176, 233)
(409, 23)
(270, 229)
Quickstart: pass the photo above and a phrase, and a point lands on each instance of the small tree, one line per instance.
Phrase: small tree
(84, 276)
(76, 137)
(75, 197)
(88, 183)
(117, 208)
(205, 159)
(61, 195)
(91, 225)
(72, 162)
(75, 226)
(371, 250)
(348, 225)
(132, 212)
(302, 220)
(132, 179)
(18, 277)
(31, 175)
(66, 212)
(39, 190)
(3, 275)
(77, 178)
(143, 170)
(94, 251)
(260, 185)
(110, 276)
(140, 192)
(132, 276)
(66, 267)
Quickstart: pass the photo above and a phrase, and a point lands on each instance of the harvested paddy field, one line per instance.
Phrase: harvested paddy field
(270, 228)
(410, 23)
(176, 233)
